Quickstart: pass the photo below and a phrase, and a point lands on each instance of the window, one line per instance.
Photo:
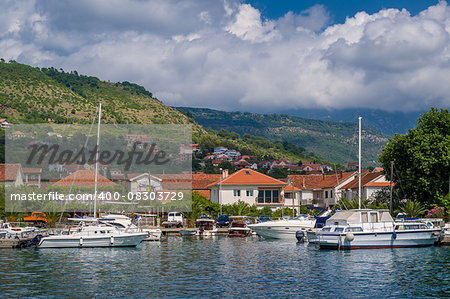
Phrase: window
(326, 194)
(353, 229)
(331, 194)
(275, 197)
(260, 196)
(268, 196)
(237, 193)
(249, 192)
(339, 229)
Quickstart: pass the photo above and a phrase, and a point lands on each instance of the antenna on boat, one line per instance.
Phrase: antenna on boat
(359, 165)
(96, 159)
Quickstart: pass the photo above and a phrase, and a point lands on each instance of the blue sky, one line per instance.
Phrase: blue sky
(339, 9)
(257, 56)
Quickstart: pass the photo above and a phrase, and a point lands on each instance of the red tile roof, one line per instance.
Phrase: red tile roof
(318, 181)
(8, 172)
(32, 170)
(379, 184)
(365, 178)
(199, 181)
(205, 193)
(289, 188)
(84, 178)
(249, 177)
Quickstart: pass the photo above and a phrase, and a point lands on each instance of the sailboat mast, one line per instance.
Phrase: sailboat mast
(359, 165)
(96, 159)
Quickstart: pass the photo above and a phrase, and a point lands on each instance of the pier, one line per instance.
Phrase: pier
(19, 241)
(222, 231)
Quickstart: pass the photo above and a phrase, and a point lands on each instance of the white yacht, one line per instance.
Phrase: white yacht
(90, 232)
(366, 228)
(125, 223)
(95, 235)
(284, 228)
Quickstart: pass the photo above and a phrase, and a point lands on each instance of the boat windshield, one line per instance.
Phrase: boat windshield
(353, 229)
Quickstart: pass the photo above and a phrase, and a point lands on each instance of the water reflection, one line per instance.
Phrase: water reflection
(218, 267)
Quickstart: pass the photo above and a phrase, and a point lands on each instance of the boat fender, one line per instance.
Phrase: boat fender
(349, 236)
(112, 240)
(81, 241)
(436, 233)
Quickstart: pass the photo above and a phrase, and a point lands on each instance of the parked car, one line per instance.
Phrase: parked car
(263, 218)
(223, 220)
(174, 219)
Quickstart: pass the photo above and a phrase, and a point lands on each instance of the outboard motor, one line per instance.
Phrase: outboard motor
(300, 235)
(35, 241)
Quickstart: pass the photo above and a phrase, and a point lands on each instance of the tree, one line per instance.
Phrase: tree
(422, 159)
(412, 209)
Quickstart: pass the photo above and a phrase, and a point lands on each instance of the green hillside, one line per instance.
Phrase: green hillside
(32, 95)
(48, 95)
(334, 141)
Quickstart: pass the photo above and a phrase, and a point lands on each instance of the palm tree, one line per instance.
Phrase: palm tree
(412, 209)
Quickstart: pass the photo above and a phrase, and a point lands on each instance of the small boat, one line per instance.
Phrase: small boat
(7, 228)
(284, 228)
(206, 227)
(238, 228)
(188, 232)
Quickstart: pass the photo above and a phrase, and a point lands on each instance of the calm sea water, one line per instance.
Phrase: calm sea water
(225, 267)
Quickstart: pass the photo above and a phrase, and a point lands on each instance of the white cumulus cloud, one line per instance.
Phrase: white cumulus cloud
(223, 54)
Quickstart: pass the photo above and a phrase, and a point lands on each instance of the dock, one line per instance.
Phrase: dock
(17, 242)
(173, 232)
(445, 241)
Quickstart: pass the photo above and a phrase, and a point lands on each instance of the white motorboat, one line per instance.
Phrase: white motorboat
(284, 228)
(206, 227)
(355, 229)
(125, 223)
(7, 228)
(95, 234)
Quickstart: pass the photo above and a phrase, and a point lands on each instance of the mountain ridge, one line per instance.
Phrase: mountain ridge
(331, 140)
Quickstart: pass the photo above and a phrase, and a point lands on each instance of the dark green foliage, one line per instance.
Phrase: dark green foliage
(422, 159)
(330, 140)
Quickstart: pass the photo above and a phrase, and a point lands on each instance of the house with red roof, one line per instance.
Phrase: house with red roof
(320, 190)
(197, 182)
(32, 176)
(144, 182)
(11, 175)
(4, 124)
(84, 178)
(251, 187)
(371, 183)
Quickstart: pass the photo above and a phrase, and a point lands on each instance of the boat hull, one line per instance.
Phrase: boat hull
(71, 241)
(282, 229)
(378, 240)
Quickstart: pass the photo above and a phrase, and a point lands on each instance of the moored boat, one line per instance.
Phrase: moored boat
(125, 223)
(284, 228)
(206, 227)
(96, 235)
(238, 228)
(366, 228)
